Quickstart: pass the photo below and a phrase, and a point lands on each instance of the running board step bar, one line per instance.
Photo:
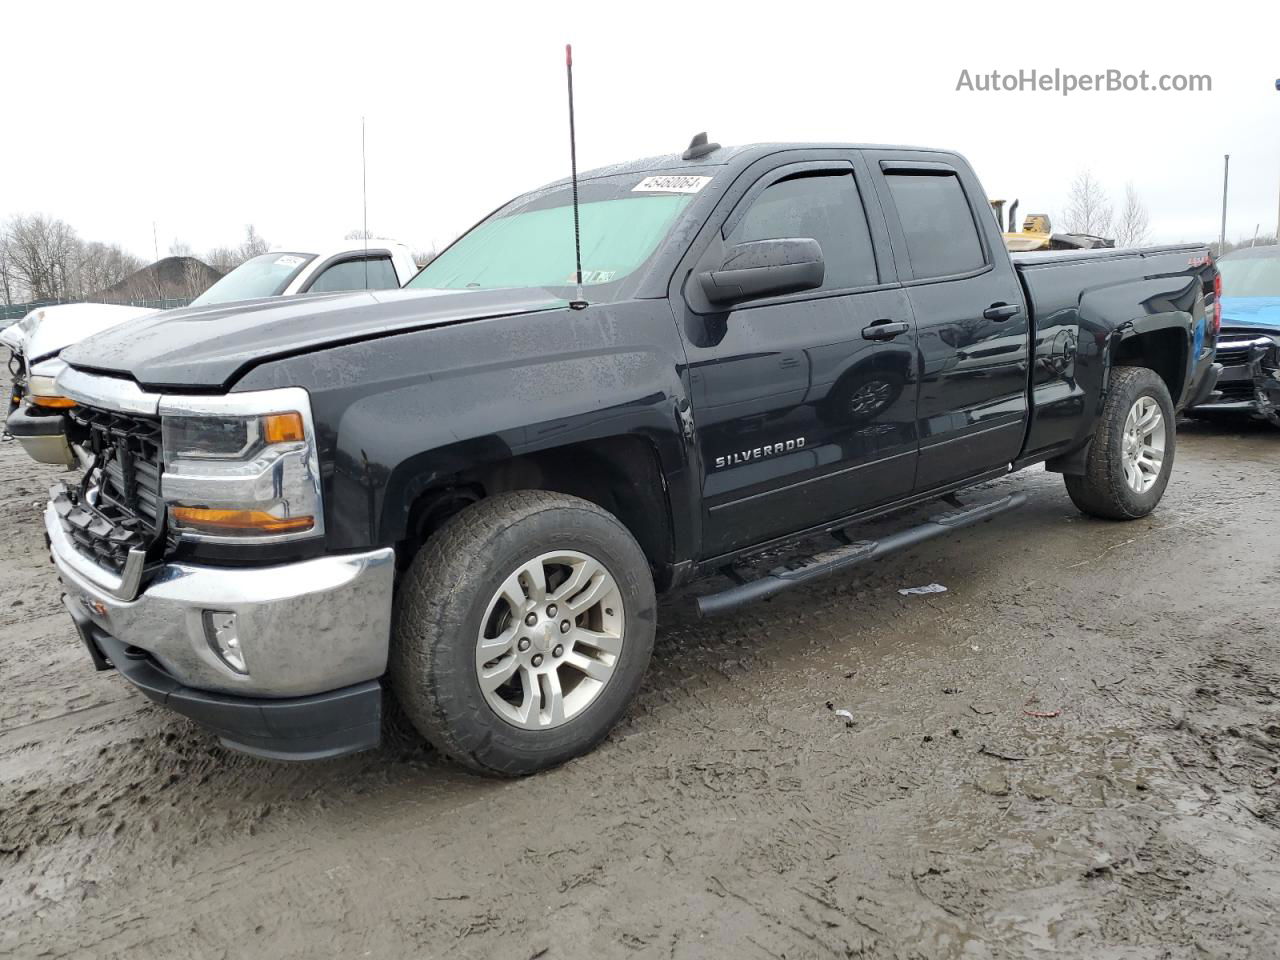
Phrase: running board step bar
(848, 555)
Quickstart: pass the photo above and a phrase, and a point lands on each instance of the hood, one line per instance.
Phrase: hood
(210, 347)
(48, 330)
(1260, 312)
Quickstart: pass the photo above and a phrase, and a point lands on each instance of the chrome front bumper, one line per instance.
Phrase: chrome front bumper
(305, 628)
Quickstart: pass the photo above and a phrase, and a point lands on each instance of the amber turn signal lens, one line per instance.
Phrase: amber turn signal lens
(239, 521)
(282, 427)
(60, 403)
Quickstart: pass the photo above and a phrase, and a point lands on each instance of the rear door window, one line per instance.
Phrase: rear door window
(823, 207)
(942, 238)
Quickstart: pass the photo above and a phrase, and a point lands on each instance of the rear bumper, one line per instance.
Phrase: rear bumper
(43, 436)
(316, 727)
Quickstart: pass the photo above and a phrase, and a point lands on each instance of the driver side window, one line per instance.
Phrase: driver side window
(825, 207)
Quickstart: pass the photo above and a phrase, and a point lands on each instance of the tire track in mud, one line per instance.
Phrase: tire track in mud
(732, 812)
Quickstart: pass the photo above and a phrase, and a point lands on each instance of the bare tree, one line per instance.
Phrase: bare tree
(1134, 226)
(358, 234)
(44, 259)
(8, 283)
(195, 278)
(102, 266)
(226, 259)
(223, 259)
(254, 245)
(180, 248)
(423, 257)
(42, 255)
(1088, 208)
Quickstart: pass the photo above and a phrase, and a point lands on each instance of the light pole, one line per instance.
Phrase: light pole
(1222, 237)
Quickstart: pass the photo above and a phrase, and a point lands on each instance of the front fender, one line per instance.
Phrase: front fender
(399, 415)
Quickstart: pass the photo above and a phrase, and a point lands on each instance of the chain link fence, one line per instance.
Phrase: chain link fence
(16, 311)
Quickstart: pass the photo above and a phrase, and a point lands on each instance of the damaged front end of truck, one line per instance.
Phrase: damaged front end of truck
(1264, 369)
(1249, 380)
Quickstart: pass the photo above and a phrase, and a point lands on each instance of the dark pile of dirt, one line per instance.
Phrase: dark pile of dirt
(167, 279)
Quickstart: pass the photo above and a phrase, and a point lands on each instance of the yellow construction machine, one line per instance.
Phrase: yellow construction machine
(1037, 233)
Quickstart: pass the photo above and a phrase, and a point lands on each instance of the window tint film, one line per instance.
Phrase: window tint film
(942, 238)
(350, 275)
(825, 208)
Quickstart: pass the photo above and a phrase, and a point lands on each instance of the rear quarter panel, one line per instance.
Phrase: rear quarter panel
(1084, 306)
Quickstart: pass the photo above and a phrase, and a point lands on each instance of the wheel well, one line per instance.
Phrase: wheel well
(619, 474)
(1164, 351)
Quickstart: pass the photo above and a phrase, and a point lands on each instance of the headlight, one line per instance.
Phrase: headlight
(242, 467)
(41, 389)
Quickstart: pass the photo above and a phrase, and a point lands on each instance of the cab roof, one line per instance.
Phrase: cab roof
(735, 156)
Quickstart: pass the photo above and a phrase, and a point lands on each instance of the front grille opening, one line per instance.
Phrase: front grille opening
(1233, 356)
(117, 506)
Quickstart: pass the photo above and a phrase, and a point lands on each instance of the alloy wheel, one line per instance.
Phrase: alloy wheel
(550, 640)
(1143, 445)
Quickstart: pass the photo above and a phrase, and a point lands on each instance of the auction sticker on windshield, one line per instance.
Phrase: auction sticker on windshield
(671, 184)
(288, 261)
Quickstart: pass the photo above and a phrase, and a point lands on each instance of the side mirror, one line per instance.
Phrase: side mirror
(765, 268)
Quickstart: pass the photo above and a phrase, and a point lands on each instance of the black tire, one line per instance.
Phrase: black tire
(444, 596)
(1101, 490)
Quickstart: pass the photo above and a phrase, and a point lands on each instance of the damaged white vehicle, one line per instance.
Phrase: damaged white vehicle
(34, 342)
(37, 413)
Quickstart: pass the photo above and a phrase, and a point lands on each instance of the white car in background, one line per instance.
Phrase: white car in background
(36, 417)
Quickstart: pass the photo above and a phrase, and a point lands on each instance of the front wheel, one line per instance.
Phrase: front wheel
(1129, 463)
(523, 630)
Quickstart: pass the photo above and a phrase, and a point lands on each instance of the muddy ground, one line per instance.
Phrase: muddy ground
(1072, 752)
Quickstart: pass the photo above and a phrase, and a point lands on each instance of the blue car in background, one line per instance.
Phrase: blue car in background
(1249, 344)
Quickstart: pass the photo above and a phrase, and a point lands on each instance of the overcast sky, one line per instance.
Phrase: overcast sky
(203, 117)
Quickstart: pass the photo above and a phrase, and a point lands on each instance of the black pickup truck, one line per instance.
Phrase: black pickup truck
(468, 491)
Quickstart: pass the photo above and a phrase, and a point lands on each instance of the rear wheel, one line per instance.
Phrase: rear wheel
(1131, 458)
(523, 630)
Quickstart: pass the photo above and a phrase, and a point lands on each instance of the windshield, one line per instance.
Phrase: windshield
(1250, 276)
(264, 276)
(529, 243)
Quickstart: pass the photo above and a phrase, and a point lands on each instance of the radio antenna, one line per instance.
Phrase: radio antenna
(580, 302)
(364, 200)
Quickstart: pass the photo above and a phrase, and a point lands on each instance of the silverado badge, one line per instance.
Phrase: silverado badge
(759, 453)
